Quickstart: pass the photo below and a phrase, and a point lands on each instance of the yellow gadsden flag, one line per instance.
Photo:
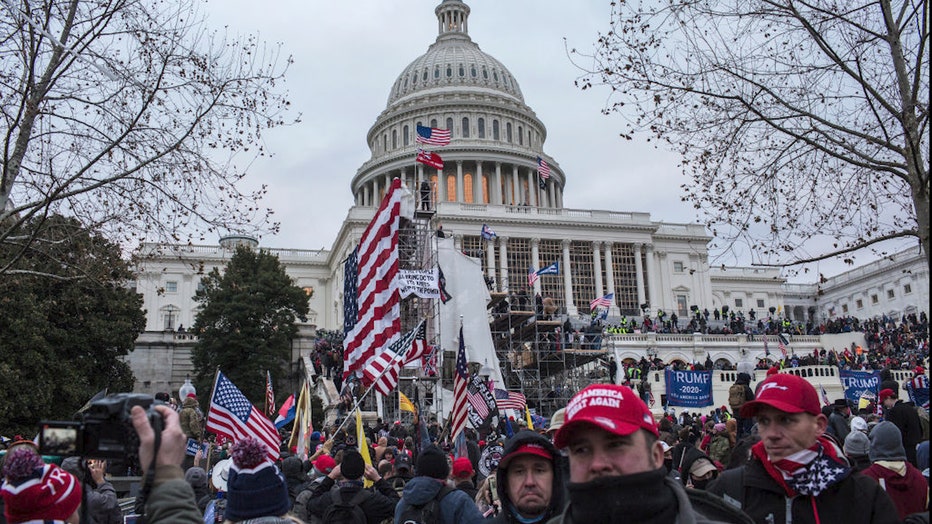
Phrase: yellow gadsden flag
(404, 404)
(363, 446)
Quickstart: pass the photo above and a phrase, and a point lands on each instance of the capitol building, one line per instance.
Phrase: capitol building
(490, 177)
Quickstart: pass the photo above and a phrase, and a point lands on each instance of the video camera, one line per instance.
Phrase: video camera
(104, 430)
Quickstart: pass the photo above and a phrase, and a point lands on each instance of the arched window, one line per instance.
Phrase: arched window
(472, 70)
(394, 139)
(385, 142)
(520, 136)
(508, 132)
(462, 70)
(467, 188)
(485, 73)
(451, 187)
(485, 190)
(414, 79)
(496, 134)
(449, 71)
(433, 122)
(481, 128)
(465, 127)
(450, 125)
(404, 135)
(425, 75)
(436, 71)
(433, 188)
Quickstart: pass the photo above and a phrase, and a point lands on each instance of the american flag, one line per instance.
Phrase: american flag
(766, 349)
(510, 399)
(477, 401)
(782, 341)
(824, 395)
(371, 302)
(605, 301)
(429, 158)
(432, 136)
(269, 395)
(419, 346)
(918, 390)
(231, 415)
(460, 389)
(383, 370)
(543, 169)
(532, 277)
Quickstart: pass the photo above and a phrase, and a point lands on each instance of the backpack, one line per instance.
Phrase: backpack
(428, 513)
(736, 397)
(351, 512)
(399, 483)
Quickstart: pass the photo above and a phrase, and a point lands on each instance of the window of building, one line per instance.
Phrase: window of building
(433, 122)
(520, 136)
(436, 71)
(450, 125)
(462, 71)
(739, 302)
(404, 134)
(508, 132)
(844, 308)
(677, 267)
(449, 71)
(875, 299)
(467, 188)
(171, 286)
(485, 190)
(681, 309)
(481, 125)
(385, 142)
(496, 134)
(485, 73)
(890, 294)
(907, 289)
(394, 139)
(465, 130)
(472, 71)
(859, 304)
(760, 303)
(451, 187)
(170, 316)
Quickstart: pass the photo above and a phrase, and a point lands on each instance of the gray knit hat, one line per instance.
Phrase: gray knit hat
(857, 444)
(887, 443)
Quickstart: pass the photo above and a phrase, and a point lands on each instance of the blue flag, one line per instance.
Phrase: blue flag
(487, 232)
(552, 269)
(857, 383)
(689, 389)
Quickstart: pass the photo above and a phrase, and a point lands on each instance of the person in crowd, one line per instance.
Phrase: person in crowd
(192, 423)
(34, 491)
(616, 465)
(401, 473)
(721, 444)
(701, 472)
(904, 416)
(376, 504)
(321, 467)
(838, 420)
(429, 485)
(256, 488)
(739, 393)
(100, 498)
(196, 477)
(796, 474)
(900, 479)
(856, 448)
(529, 481)
(295, 478)
(462, 475)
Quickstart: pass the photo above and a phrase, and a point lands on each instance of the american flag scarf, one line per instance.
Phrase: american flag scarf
(807, 472)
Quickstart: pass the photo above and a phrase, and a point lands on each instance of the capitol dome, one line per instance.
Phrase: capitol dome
(496, 139)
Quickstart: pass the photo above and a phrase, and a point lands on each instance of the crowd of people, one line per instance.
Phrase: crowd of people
(773, 455)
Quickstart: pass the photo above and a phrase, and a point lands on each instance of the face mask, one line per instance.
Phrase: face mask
(668, 463)
(700, 484)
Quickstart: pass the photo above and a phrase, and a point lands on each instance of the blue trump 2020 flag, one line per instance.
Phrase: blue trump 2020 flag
(689, 389)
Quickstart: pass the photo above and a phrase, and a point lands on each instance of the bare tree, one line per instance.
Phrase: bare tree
(128, 115)
(803, 124)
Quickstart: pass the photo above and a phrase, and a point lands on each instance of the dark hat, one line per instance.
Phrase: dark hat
(402, 462)
(841, 403)
(256, 488)
(887, 442)
(433, 463)
(353, 465)
(196, 477)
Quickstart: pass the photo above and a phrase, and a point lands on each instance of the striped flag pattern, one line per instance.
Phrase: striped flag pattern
(460, 388)
(419, 347)
(477, 401)
(604, 301)
(231, 415)
(269, 395)
(432, 136)
(781, 343)
(510, 399)
(383, 370)
(543, 169)
(371, 301)
(532, 277)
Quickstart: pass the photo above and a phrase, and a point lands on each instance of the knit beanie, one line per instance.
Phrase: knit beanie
(856, 444)
(256, 488)
(35, 491)
(887, 443)
(196, 477)
(433, 463)
(292, 466)
(353, 465)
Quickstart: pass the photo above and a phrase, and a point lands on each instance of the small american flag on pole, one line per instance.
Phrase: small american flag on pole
(532, 277)
(782, 341)
(231, 415)
(543, 169)
(510, 400)
(604, 301)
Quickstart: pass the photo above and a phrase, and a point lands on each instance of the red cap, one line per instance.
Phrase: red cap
(785, 392)
(772, 371)
(191, 395)
(462, 468)
(614, 408)
(886, 393)
(529, 448)
(325, 464)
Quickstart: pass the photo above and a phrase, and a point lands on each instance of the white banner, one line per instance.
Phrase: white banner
(421, 282)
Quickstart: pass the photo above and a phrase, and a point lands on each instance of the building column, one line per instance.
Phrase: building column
(663, 281)
(516, 182)
(460, 192)
(639, 274)
(535, 261)
(365, 194)
(499, 197)
(651, 277)
(597, 268)
(568, 281)
(458, 242)
(441, 186)
(610, 278)
(477, 186)
(490, 261)
(503, 261)
(532, 188)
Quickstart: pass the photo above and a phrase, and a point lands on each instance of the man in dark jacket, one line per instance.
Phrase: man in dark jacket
(795, 469)
(377, 505)
(432, 470)
(530, 483)
(838, 420)
(905, 417)
(616, 465)
(739, 393)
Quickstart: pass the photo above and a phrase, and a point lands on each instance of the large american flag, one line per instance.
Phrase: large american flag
(231, 415)
(605, 301)
(460, 390)
(371, 302)
(432, 136)
(383, 370)
(510, 400)
(543, 168)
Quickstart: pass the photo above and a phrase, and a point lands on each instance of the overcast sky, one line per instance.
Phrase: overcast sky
(348, 54)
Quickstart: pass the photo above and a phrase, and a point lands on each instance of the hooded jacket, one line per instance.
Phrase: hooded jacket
(558, 494)
(455, 508)
(191, 419)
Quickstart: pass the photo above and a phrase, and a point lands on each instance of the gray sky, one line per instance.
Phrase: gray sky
(348, 54)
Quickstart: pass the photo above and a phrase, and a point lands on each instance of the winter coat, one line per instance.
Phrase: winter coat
(172, 499)
(853, 500)
(904, 416)
(558, 495)
(377, 507)
(455, 508)
(909, 490)
(191, 419)
(720, 448)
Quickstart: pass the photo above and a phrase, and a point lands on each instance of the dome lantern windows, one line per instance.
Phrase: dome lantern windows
(462, 71)
(472, 71)
(449, 71)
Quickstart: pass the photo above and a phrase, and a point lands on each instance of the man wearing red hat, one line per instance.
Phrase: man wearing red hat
(616, 465)
(796, 474)
(529, 482)
(905, 417)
